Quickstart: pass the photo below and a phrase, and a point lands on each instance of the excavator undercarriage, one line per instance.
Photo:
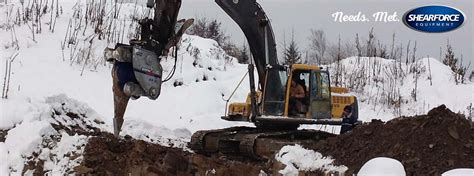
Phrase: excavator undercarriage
(255, 143)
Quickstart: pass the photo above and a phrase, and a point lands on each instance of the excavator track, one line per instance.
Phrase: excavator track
(251, 142)
(198, 139)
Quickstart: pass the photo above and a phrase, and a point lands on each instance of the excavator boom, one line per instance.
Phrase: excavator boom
(257, 29)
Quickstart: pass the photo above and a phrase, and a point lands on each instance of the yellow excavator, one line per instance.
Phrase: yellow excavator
(325, 106)
(275, 113)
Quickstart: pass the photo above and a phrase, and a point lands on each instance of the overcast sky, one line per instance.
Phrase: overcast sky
(304, 15)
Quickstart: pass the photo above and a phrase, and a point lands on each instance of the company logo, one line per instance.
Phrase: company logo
(434, 19)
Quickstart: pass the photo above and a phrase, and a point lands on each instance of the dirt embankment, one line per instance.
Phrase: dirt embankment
(107, 155)
(426, 145)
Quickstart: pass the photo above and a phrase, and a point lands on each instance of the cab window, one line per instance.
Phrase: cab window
(325, 85)
(320, 85)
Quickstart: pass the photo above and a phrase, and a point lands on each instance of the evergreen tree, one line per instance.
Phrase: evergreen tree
(292, 55)
(212, 29)
(209, 29)
(243, 55)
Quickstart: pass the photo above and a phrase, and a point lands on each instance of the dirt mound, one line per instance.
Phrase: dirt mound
(426, 145)
(66, 123)
(107, 155)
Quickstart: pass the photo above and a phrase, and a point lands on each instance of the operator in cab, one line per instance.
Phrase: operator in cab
(297, 96)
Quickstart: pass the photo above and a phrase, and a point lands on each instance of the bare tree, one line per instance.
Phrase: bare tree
(430, 77)
(318, 45)
(371, 49)
(7, 77)
(338, 63)
(392, 49)
(358, 48)
(408, 52)
(462, 71)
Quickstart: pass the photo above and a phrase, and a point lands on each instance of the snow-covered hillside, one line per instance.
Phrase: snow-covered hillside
(64, 71)
(39, 71)
(43, 76)
(386, 88)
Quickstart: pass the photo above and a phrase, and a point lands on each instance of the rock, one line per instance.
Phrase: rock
(453, 132)
(82, 170)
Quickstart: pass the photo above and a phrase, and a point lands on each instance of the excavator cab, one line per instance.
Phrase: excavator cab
(316, 104)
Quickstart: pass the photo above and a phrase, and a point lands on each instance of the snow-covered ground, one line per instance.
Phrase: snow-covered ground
(37, 134)
(43, 78)
(297, 158)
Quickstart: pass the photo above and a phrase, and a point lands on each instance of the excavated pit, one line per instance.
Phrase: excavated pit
(426, 145)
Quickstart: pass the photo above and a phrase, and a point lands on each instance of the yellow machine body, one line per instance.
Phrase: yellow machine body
(333, 106)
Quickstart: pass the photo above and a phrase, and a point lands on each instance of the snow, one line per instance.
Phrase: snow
(157, 134)
(68, 146)
(4, 170)
(382, 166)
(32, 132)
(296, 158)
(35, 134)
(459, 172)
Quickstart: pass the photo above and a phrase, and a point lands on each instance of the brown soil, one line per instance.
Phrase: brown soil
(426, 145)
(74, 128)
(107, 155)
